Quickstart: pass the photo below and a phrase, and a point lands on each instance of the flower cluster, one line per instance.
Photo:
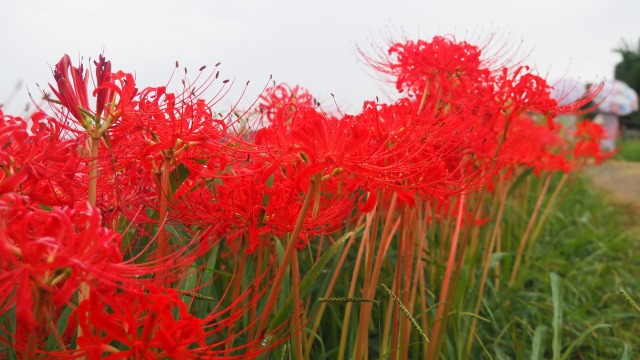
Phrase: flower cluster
(126, 202)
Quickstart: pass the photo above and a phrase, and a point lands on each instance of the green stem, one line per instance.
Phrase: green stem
(256, 287)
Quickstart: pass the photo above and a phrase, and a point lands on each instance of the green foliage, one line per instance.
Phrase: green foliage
(629, 150)
(628, 70)
(578, 312)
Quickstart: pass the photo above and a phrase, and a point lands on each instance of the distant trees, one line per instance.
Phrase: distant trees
(628, 70)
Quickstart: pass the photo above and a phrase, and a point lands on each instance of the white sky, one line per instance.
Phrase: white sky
(299, 42)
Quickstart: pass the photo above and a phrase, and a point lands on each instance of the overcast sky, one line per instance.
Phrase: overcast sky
(312, 44)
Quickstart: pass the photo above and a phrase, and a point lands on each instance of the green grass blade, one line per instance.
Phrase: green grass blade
(516, 184)
(581, 337)
(557, 314)
(208, 271)
(309, 279)
(537, 348)
(626, 352)
(63, 320)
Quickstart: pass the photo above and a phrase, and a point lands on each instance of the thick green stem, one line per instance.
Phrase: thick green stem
(54, 331)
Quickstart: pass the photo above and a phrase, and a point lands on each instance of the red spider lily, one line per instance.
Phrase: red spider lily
(239, 201)
(149, 324)
(534, 145)
(103, 76)
(252, 200)
(452, 108)
(521, 91)
(276, 99)
(45, 256)
(422, 153)
(461, 109)
(162, 127)
(72, 94)
(41, 165)
(160, 133)
(121, 84)
(314, 143)
(388, 145)
(71, 91)
(587, 145)
(435, 66)
(330, 212)
(123, 193)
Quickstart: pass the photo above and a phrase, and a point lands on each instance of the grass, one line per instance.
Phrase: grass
(566, 303)
(629, 150)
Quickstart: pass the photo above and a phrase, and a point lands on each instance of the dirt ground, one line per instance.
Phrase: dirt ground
(619, 180)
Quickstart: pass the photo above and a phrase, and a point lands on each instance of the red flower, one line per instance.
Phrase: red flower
(148, 324)
(587, 145)
(103, 76)
(71, 91)
(437, 66)
(46, 255)
(41, 165)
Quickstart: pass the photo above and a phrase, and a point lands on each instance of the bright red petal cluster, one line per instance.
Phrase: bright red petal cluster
(176, 178)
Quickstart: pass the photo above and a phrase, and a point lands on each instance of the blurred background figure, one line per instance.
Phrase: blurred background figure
(610, 125)
(614, 99)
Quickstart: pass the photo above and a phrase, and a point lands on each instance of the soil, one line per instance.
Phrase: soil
(620, 183)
